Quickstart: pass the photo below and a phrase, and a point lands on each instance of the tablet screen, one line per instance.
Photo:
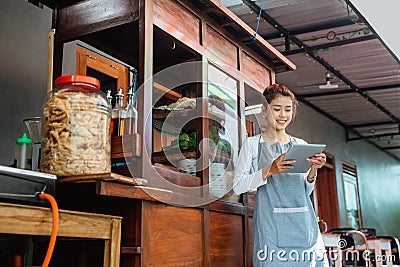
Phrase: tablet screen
(300, 153)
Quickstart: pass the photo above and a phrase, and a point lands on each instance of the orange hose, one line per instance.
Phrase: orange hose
(53, 236)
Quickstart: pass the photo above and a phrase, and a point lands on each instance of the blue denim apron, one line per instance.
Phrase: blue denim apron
(284, 225)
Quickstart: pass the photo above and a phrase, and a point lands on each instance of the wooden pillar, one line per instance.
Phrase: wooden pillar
(145, 92)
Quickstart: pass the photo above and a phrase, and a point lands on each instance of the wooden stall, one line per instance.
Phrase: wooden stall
(176, 217)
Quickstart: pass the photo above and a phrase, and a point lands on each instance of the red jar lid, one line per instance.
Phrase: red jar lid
(77, 79)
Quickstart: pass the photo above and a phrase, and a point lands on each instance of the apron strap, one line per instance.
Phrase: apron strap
(259, 149)
(292, 139)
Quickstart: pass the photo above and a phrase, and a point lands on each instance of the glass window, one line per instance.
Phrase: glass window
(223, 131)
(353, 211)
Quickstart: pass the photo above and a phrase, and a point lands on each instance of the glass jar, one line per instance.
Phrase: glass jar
(76, 128)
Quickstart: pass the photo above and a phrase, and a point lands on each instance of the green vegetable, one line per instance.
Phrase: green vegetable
(192, 135)
(184, 137)
(213, 133)
(192, 143)
(224, 145)
(183, 145)
(221, 146)
(192, 140)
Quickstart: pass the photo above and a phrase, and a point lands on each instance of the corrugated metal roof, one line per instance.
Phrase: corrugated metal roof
(321, 35)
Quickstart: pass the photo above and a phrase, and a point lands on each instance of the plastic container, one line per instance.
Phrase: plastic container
(23, 152)
(76, 128)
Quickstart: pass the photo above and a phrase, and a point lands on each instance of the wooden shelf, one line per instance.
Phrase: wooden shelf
(103, 177)
(172, 155)
(107, 188)
(175, 155)
(188, 114)
(168, 172)
(178, 120)
(177, 177)
(163, 113)
(167, 92)
(126, 146)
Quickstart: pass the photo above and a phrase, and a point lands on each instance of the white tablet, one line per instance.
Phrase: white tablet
(300, 152)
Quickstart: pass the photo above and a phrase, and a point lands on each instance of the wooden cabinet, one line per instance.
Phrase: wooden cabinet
(84, 59)
(181, 49)
(179, 54)
(112, 75)
(157, 234)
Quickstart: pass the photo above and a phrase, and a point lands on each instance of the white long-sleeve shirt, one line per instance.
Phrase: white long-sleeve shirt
(247, 175)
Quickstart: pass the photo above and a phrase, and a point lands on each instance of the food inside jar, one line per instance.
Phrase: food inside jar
(75, 135)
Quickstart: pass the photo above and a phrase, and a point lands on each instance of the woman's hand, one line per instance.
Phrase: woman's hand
(278, 165)
(317, 161)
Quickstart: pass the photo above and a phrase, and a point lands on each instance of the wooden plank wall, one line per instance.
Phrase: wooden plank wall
(250, 241)
(260, 75)
(219, 49)
(186, 26)
(175, 236)
(88, 16)
(226, 239)
(178, 22)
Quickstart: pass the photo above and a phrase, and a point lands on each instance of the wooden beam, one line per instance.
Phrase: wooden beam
(167, 92)
(88, 16)
(272, 51)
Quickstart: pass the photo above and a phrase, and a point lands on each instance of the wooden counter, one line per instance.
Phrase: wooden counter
(155, 233)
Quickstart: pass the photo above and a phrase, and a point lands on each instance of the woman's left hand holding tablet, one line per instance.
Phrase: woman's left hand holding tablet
(317, 161)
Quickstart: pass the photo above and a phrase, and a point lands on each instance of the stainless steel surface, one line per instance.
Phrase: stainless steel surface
(24, 186)
(20, 173)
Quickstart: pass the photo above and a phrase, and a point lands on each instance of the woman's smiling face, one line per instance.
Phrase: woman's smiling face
(280, 112)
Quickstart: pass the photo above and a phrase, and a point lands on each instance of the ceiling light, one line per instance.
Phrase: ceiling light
(328, 84)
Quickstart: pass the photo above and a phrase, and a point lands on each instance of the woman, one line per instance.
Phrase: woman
(285, 229)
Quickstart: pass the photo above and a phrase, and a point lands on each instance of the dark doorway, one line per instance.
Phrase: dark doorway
(325, 196)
